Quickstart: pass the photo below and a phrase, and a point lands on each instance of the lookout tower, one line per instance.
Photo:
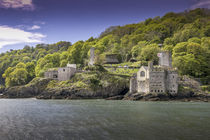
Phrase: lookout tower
(165, 59)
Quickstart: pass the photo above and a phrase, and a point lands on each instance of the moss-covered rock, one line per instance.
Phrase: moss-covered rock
(35, 87)
(87, 85)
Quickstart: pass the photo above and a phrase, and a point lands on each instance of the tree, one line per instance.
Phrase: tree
(30, 68)
(191, 58)
(149, 53)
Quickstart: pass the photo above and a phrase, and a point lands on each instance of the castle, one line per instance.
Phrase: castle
(156, 79)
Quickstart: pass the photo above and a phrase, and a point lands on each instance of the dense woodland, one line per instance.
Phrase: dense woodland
(186, 35)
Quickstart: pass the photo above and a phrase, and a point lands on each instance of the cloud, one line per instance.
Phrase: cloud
(16, 4)
(39, 22)
(27, 27)
(11, 36)
(34, 27)
(201, 4)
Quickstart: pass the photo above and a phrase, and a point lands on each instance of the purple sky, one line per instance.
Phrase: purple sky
(48, 21)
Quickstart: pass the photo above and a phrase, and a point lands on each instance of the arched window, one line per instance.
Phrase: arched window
(142, 74)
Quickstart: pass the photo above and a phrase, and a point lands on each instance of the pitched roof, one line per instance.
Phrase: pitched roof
(145, 67)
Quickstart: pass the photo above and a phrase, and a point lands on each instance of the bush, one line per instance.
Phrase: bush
(98, 68)
(206, 88)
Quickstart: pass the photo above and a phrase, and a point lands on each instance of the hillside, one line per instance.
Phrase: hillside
(186, 35)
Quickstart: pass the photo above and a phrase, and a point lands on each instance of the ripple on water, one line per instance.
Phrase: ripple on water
(100, 119)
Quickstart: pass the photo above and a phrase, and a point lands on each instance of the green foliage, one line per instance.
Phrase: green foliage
(186, 35)
(16, 76)
(206, 88)
(96, 68)
(192, 58)
(91, 81)
(149, 53)
(49, 61)
(28, 54)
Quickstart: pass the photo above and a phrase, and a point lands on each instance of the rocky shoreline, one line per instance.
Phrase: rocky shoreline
(107, 87)
(113, 94)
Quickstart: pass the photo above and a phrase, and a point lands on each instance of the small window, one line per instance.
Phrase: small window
(173, 76)
(158, 90)
(155, 90)
(142, 74)
(161, 90)
(64, 70)
(151, 90)
(55, 76)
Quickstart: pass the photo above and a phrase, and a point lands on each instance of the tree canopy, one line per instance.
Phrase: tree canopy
(186, 35)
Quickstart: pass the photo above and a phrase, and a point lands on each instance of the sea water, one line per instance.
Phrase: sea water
(31, 119)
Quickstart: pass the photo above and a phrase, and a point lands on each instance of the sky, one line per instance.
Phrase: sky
(31, 22)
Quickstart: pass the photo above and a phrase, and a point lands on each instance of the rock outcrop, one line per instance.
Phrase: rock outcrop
(92, 85)
(34, 88)
(189, 90)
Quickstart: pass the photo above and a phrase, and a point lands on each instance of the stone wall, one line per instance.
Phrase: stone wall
(157, 82)
(172, 82)
(51, 74)
(143, 86)
(133, 84)
(65, 73)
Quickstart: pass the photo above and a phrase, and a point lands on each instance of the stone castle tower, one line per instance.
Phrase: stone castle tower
(165, 59)
(156, 79)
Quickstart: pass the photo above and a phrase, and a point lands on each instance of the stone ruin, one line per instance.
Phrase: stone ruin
(62, 74)
(92, 57)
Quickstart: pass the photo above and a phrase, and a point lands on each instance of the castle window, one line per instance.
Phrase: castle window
(63, 69)
(158, 90)
(155, 90)
(173, 76)
(142, 74)
(161, 90)
(55, 76)
(151, 90)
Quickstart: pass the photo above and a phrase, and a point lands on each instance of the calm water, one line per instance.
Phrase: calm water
(30, 119)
